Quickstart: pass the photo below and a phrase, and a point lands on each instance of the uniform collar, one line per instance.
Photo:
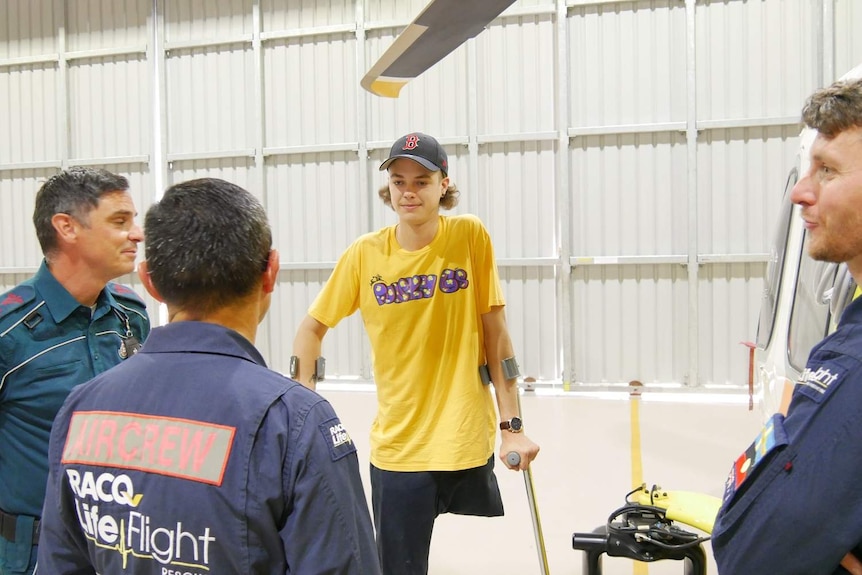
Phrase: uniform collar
(201, 337)
(852, 313)
(59, 301)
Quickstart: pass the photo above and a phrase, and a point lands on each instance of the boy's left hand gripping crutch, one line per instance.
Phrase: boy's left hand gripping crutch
(514, 459)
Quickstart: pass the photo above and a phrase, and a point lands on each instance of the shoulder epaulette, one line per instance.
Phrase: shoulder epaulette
(125, 292)
(16, 298)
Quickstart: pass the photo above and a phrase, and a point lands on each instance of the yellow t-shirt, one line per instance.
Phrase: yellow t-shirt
(422, 312)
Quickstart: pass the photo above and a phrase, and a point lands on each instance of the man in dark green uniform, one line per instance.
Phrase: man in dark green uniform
(59, 329)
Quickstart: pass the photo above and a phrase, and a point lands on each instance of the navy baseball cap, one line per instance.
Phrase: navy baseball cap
(420, 148)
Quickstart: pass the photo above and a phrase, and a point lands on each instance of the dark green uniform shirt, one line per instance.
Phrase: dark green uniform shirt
(49, 343)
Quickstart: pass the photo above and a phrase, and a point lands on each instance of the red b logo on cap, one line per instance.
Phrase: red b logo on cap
(411, 142)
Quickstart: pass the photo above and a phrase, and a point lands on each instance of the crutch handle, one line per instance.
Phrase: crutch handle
(513, 458)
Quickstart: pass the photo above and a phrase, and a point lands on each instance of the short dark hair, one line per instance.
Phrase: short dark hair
(834, 109)
(75, 191)
(207, 242)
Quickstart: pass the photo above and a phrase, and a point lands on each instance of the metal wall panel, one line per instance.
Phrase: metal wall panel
(191, 21)
(19, 247)
(729, 307)
(528, 5)
(629, 195)
(737, 198)
(628, 160)
(103, 125)
(281, 15)
(517, 198)
(515, 76)
(627, 63)
(29, 116)
(630, 323)
(774, 39)
(235, 170)
(313, 200)
(34, 32)
(311, 89)
(62, 67)
(106, 24)
(848, 42)
(402, 11)
(534, 324)
(208, 98)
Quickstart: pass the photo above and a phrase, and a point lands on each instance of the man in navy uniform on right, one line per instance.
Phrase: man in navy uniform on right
(793, 500)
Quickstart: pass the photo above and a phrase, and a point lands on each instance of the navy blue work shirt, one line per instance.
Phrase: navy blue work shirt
(50, 343)
(793, 502)
(193, 458)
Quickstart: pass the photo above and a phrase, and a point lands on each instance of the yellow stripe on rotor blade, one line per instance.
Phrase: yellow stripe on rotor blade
(375, 80)
(386, 88)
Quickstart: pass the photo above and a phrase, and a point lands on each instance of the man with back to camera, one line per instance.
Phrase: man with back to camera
(793, 502)
(222, 465)
(58, 329)
(431, 301)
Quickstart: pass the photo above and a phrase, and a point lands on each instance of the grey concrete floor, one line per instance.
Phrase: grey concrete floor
(582, 474)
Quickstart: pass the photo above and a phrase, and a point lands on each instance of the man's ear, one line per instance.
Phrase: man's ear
(144, 275)
(66, 227)
(270, 274)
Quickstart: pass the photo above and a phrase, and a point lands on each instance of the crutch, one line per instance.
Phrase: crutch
(514, 459)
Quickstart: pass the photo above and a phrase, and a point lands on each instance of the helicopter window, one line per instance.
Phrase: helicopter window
(775, 266)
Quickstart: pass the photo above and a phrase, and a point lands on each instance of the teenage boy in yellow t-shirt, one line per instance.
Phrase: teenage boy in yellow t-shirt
(430, 298)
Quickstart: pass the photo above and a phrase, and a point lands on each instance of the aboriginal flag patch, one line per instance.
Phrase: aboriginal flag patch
(770, 438)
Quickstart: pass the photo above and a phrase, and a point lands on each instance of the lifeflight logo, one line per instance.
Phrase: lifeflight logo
(335, 435)
(105, 487)
(107, 503)
(134, 533)
(339, 435)
(819, 380)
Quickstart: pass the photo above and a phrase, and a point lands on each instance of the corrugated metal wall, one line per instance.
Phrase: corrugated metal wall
(628, 157)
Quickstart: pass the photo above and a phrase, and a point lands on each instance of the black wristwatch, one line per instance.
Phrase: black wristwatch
(514, 425)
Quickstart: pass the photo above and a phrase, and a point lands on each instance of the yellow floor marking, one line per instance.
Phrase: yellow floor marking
(638, 567)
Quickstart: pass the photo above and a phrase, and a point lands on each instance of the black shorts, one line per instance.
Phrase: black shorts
(406, 503)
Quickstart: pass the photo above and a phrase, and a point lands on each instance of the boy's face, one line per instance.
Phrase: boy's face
(415, 191)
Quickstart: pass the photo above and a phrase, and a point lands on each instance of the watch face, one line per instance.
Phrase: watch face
(515, 424)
